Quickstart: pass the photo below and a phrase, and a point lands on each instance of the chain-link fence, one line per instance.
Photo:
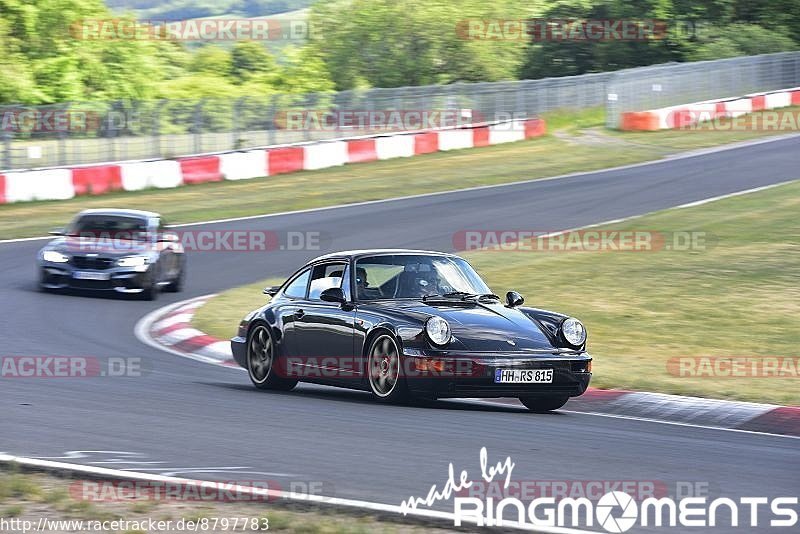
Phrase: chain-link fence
(81, 133)
(683, 83)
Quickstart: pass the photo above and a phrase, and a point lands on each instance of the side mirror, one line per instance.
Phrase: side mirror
(333, 294)
(514, 299)
(271, 290)
(56, 231)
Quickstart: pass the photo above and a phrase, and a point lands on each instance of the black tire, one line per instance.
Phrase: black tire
(150, 292)
(545, 403)
(260, 361)
(385, 370)
(176, 286)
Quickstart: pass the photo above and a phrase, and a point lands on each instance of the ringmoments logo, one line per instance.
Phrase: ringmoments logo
(615, 511)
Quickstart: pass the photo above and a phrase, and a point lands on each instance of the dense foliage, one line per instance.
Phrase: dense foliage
(357, 43)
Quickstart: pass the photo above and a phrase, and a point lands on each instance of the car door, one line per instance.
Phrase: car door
(288, 311)
(168, 260)
(325, 329)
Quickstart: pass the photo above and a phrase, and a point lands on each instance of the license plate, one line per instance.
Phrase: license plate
(89, 275)
(523, 376)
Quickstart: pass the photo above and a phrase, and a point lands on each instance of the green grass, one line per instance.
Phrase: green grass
(282, 516)
(738, 297)
(567, 151)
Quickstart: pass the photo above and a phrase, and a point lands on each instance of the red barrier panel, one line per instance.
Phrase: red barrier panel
(534, 128)
(282, 160)
(200, 170)
(425, 143)
(96, 180)
(720, 110)
(480, 136)
(759, 102)
(361, 150)
(639, 121)
(2, 189)
(796, 98)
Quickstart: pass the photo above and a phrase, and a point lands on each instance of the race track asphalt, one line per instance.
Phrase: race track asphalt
(191, 419)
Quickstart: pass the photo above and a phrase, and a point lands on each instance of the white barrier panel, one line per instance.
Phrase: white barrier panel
(324, 155)
(455, 139)
(777, 100)
(739, 107)
(703, 112)
(163, 174)
(507, 132)
(664, 115)
(51, 184)
(243, 165)
(396, 146)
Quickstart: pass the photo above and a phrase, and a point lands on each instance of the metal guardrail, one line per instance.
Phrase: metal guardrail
(79, 133)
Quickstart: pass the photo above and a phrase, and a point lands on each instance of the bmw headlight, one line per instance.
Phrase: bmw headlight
(54, 256)
(574, 332)
(438, 330)
(132, 261)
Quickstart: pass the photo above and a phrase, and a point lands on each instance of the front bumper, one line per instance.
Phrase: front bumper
(239, 350)
(120, 279)
(473, 375)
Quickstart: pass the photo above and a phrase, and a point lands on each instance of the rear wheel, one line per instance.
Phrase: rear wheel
(385, 370)
(544, 404)
(261, 360)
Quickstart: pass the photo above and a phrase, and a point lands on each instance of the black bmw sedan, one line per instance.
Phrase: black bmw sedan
(403, 323)
(126, 251)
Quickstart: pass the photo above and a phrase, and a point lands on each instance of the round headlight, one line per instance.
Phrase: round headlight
(574, 332)
(438, 330)
(54, 256)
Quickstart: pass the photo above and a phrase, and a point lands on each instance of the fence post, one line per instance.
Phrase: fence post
(6, 159)
(235, 129)
(197, 127)
(156, 129)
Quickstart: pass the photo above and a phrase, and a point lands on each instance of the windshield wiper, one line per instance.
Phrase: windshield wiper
(461, 295)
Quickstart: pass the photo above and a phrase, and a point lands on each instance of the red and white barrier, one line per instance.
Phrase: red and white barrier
(61, 184)
(200, 169)
(244, 165)
(97, 179)
(162, 174)
(49, 184)
(324, 155)
(455, 139)
(401, 146)
(361, 150)
(689, 114)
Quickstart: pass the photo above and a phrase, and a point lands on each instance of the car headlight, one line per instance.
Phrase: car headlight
(132, 261)
(574, 332)
(438, 330)
(54, 256)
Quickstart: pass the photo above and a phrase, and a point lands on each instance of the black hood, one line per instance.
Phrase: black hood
(480, 327)
(75, 246)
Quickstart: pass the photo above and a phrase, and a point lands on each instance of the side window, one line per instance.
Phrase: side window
(297, 287)
(324, 277)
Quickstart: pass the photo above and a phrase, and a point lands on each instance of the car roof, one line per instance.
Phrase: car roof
(141, 214)
(351, 254)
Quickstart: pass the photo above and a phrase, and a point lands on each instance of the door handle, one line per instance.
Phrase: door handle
(299, 314)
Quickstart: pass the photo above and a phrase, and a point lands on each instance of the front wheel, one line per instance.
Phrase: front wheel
(543, 404)
(386, 379)
(261, 361)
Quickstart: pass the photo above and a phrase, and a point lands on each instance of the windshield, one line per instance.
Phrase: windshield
(108, 227)
(404, 276)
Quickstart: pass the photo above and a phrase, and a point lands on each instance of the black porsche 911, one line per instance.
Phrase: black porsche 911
(126, 251)
(403, 323)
